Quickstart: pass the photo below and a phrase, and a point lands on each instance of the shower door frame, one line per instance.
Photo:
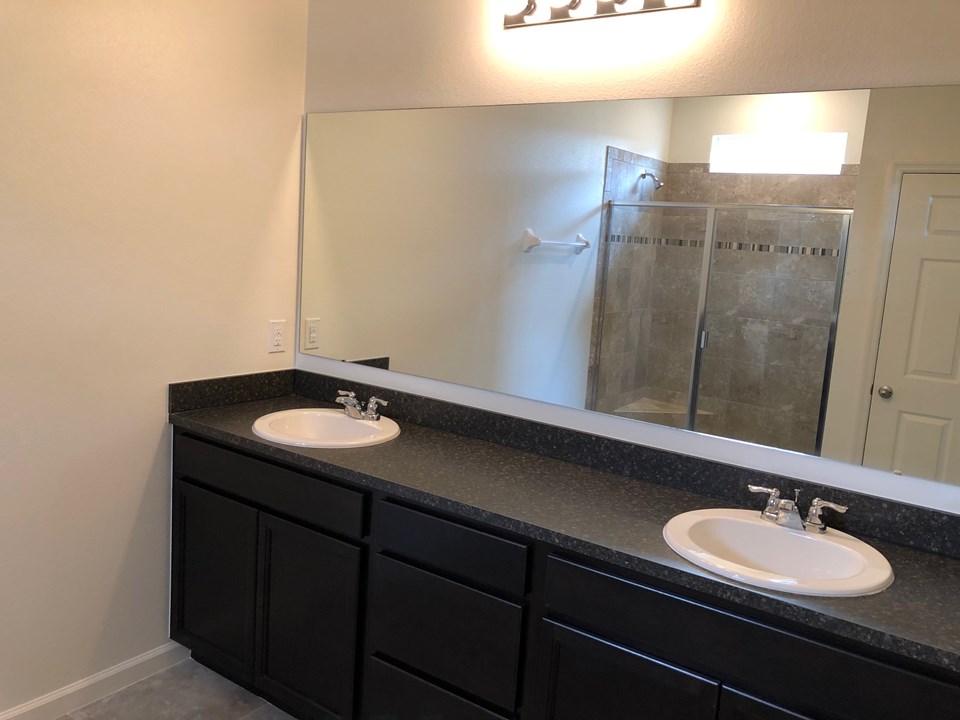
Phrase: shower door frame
(701, 339)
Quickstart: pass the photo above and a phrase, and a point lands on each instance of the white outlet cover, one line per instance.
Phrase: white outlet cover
(277, 336)
(311, 334)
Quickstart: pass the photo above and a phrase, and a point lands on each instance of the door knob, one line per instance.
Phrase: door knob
(886, 392)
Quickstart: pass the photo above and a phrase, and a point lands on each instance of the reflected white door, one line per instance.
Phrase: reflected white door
(916, 429)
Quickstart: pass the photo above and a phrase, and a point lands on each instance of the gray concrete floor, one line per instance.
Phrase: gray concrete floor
(187, 691)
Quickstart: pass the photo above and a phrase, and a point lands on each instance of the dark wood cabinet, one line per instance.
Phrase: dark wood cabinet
(338, 603)
(214, 580)
(784, 667)
(592, 678)
(309, 593)
(445, 618)
(478, 558)
(268, 602)
(448, 631)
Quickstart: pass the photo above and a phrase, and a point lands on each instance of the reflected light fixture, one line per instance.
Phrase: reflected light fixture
(521, 13)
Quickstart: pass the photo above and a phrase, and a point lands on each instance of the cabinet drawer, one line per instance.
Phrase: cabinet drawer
(283, 491)
(592, 678)
(449, 547)
(780, 666)
(392, 694)
(451, 632)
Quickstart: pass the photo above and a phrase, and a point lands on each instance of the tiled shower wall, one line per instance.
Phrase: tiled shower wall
(618, 371)
(769, 303)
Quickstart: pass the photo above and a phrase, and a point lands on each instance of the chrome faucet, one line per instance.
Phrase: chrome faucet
(354, 408)
(814, 520)
(785, 512)
(351, 406)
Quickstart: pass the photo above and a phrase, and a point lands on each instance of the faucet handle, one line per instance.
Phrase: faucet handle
(772, 510)
(372, 406)
(818, 506)
(347, 398)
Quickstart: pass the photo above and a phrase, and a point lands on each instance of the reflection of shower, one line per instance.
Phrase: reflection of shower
(656, 181)
(702, 327)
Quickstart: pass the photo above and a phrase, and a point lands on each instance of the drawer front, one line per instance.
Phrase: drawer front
(449, 547)
(392, 694)
(776, 664)
(451, 632)
(592, 678)
(283, 491)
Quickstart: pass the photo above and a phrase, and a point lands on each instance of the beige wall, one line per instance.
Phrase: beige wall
(148, 230)
(905, 127)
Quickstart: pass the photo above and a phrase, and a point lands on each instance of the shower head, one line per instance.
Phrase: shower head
(656, 181)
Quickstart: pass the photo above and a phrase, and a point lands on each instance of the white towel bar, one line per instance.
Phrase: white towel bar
(531, 240)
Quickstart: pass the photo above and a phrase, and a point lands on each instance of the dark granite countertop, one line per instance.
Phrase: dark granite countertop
(610, 518)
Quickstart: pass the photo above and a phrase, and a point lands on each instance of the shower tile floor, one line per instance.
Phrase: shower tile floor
(187, 691)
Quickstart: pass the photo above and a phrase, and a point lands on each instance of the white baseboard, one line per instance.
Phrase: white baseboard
(83, 692)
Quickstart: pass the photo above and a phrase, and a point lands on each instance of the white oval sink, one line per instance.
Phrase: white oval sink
(740, 545)
(324, 428)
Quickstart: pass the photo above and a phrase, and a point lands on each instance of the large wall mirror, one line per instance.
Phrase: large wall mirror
(778, 269)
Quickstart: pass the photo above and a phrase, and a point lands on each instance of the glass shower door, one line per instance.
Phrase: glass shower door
(769, 323)
(648, 312)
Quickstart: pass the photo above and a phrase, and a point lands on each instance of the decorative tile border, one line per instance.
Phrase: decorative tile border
(749, 247)
(783, 249)
(666, 242)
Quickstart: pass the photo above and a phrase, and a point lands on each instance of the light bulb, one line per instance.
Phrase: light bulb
(629, 6)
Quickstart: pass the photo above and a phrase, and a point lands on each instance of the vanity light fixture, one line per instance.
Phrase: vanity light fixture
(520, 13)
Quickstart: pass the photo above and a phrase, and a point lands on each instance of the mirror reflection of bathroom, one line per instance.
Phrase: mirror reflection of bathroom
(719, 275)
(716, 214)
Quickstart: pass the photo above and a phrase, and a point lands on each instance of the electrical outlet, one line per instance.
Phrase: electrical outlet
(311, 334)
(277, 336)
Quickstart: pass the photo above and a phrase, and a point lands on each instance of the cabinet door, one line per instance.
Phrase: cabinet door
(593, 678)
(309, 589)
(214, 574)
(735, 705)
